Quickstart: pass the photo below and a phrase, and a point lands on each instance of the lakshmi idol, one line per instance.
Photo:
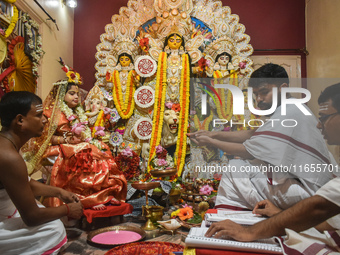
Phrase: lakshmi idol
(124, 79)
(81, 163)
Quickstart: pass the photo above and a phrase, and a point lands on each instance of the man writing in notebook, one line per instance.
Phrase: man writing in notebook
(271, 145)
(307, 213)
(25, 226)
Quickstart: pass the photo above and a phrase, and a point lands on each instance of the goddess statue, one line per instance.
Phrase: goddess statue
(172, 87)
(124, 79)
(228, 68)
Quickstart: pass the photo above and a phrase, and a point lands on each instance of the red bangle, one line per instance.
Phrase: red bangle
(68, 210)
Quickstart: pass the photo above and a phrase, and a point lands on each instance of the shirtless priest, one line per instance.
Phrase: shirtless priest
(25, 226)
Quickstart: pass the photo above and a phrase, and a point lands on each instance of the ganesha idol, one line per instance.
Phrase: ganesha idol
(99, 117)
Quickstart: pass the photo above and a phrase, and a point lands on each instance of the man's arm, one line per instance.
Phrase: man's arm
(303, 215)
(233, 137)
(236, 149)
(40, 189)
(13, 176)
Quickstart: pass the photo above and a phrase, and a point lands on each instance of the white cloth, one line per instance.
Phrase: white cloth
(290, 151)
(17, 238)
(330, 191)
(311, 242)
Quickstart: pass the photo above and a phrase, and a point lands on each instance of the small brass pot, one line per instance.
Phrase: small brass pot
(175, 195)
(155, 212)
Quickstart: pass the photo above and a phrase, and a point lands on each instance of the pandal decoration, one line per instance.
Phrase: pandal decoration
(36, 52)
(14, 18)
(20, 76)
(143, 128)
(144, 97)
(115, 139)
(145, 66)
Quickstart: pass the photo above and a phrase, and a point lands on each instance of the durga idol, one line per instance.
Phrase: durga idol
(172, 86)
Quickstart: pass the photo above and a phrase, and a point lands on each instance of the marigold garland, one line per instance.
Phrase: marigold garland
(158, 114)
(184, 89)
(124, 107)
(206, 122)
(14, 19)
(226, 112)
(99, 122)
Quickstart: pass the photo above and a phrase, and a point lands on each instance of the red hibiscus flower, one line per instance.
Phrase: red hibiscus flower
(203, 64)
(144, 44)
(176, 107)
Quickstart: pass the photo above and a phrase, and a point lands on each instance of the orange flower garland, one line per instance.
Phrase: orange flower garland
(224, 112)
(124, 107)
(206, 122)
(158, 113)
(99, 122)
(184, 89)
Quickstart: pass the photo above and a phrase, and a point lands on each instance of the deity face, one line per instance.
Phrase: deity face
(171, 120)
(174, 42)
(223, 60)
(95, 105)
(72, 96)
(124, 61)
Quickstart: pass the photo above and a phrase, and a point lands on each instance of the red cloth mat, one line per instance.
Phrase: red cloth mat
(110, 210)
(223, 252)
(144, 248)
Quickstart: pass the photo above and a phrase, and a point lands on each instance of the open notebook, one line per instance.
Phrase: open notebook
(196, 239)
(239, 217)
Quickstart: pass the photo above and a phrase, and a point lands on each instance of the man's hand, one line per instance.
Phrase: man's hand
(266, 208)
(75, 210)
(68, 197)
(229, 229)
(201, 137)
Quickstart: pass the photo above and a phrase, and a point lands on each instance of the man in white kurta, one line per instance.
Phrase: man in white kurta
(273, 156)
(311, 226)
(278, 172)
